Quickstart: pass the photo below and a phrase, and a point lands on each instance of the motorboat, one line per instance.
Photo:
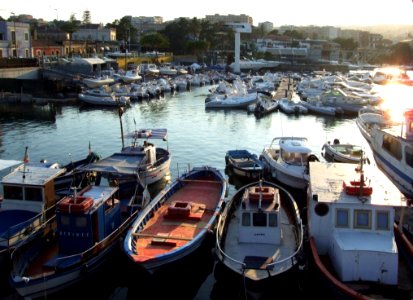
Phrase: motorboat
(290, 107)
(93, 82)
(286, 160)
(342, 152)
(110, 100)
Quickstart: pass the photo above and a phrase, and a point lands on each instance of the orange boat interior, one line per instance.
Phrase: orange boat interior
(183, 216)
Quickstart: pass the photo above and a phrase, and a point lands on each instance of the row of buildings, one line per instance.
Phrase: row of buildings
(18, 39)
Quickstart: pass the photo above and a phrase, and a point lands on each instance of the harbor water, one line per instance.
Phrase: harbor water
(196, 137)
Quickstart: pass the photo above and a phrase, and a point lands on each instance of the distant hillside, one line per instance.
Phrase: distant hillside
(392, 32)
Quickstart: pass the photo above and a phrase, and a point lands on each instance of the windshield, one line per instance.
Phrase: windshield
(294, 158)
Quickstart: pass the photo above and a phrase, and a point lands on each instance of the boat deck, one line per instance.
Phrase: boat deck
(268, 253)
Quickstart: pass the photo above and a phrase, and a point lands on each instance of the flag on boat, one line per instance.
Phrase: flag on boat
(26, 156)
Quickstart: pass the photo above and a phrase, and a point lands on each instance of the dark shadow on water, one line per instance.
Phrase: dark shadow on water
(179, 280)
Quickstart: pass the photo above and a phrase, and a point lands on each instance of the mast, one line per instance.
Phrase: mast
(120, 111)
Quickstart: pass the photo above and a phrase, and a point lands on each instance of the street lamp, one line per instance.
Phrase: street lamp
(14, 38)
(57, 14)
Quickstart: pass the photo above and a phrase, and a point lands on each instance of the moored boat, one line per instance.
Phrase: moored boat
(177, 221)
(244, 164)
(259, 236)
(345, 153)
(28, 200)
(286, 160)
(392, 148)
(149, 162)
(351, 212)
(77, 242)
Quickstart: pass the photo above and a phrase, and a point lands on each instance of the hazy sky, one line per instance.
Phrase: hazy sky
(284, 12)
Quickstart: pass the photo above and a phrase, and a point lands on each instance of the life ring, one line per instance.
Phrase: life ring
(76, 205)
(355, 188)
(267, 194)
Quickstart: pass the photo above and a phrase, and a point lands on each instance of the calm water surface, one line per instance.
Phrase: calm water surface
(196, 137)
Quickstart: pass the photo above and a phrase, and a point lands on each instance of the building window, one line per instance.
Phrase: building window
(246, 219)
(26, 36)
(382, 220)
(1, 36)
(13, 36)
(362, 219)
(27, 53)
(342, 218)
(1, 53)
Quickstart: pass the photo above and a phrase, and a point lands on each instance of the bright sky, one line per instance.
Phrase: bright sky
(285, 12)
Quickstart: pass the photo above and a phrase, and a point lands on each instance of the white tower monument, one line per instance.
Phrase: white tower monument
(238, 28)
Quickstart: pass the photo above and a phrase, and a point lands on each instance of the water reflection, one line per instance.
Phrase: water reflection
(17, 111)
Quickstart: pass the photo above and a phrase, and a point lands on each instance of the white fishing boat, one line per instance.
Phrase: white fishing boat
(259, 236)
(286, 160)
(351, 214)
(150, 162)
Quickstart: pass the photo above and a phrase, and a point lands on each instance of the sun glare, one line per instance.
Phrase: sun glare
(397, 98)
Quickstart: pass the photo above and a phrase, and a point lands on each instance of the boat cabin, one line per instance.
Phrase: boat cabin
(260, 216)
(351, 220)
(87, 218)
(30, 188)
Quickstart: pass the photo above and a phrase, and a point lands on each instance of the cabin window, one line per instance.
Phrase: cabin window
(382, 220)
(33, 194)
(13, 192)
(342, 218)
(246, 219)
(65, 220)
(259, 219)
(294, 158)
(81, 222)
(362, 219)
(409, 156)
(392, 146)
(272, 220)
